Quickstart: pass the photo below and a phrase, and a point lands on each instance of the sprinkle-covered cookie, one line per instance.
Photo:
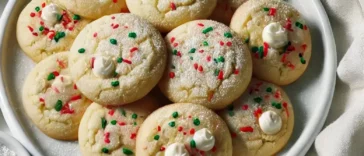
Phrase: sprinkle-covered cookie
(93, 9)
(278, 37)
(169, 14)
(225, 9)
(260, 121)
(113, 130)
(208, 65)
(45, 28)
(51, 99)
(183, 129)
(117, 59)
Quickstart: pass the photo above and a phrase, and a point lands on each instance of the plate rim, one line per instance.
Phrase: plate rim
(302, 145)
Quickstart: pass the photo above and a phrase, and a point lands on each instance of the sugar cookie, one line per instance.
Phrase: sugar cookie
(208, 65)
(93, 9)
(169, 14)
(45, 28)
(261, 120)
(117, 59)
(278, 37)
(113, 130)
(52, 100)
(183, 129)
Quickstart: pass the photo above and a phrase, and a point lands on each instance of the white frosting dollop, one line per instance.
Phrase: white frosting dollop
(205, 141)
(270, 122)
(275, 35)
(49, 14)
(103, 66)
(176, 149)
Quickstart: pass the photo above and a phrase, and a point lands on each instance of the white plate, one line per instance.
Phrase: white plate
(311, 95)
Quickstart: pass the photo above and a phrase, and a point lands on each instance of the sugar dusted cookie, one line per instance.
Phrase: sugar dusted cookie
(45, 28)
(93, 9)
(225, 9)
(260, 121)
(278, 37)
(208, 65)
(52, 100)
(169, 14)
(183, 129)
(113, 130)
(117, 59)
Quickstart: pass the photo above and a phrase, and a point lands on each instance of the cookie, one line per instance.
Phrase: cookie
(113, 130)
(260, 121)
(51, 99)
(278, 37)
(117, 59)
(167, 15)
(225, 9)
(208, 65)
(45, 28)
(183, 129)
(93, 9)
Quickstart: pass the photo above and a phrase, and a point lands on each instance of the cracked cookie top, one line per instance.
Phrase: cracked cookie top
(168, 14)
(260, 121)
(278, 37)
(207, 65)
(52, 100)
(113, 130)
(93, 9)
(183, 129)
(45, 28)
(117, 59)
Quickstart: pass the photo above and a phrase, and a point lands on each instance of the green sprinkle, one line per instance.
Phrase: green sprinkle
(37, 8)
(174, 52)
(115, 74)
(196, 122)
(135, 123)
(216, 72)
(156, 137)
(103, 123)
(81, 50)
(41, 28)
(132, 35)
(113, 41)
(51, 76)
(215, 60)
(172, 124)
(119, 60)
(269, 89)
(205, 43)
(134, 116)
(261, 49)
(59, 17)
(175, 114)
(115, 83)
(58, 106)
(122, 111)
(221, 59)
(205, 31)
(255, 49)
(59, 35)
(105, 150)
(258, 99)
(231, 113)
(266, 9)
(191, 58)
(173, 67)
(113, 122)
(127, 151)
(299, 25)
(193, 143)
(277, 105)
(228, 35)
(76, 17)
(303, 61)
(246, 40)
(193, 50)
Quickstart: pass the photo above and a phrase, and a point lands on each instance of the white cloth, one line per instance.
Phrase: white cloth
(344, 131)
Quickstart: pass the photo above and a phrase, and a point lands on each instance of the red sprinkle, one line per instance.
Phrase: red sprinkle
(266, 46)
(200, 24)
(95, 34)
(51, 36)
(55, 89)
(70, 28)
(192, 131)
(76, 97)
(106, 139)
(236, 72)
(173, 6)
(56, 73)
(285, 107)
(257, 112)
(245, 107)
(290, 65)
(304, 46)
(162, 148)
(92, 62)
(111, 112)
(171, 75)
(272, 11)
(195, 66)
(122, 123)
(277, 94)
(200, 68)
(35, 34)
(115, 26)
(305, 27)
(41, 99)
(175, 44)
(43, 5)
(132, 135)
(288, 25)
(201, 51)
(246, 129)
(179, 54)
(159, 128)
(115, 1)
(173, 39)
(222, 43)
(61, 64)
(291, 48)
(184, 133)
(221, 75)
(133, 49)
(113, 17)
(32, 14)
(208, 58)
(284, 57)
(66, 109)
(41, 23)
(127, 61)
(229, 44)
(75, 86)
(180, 128)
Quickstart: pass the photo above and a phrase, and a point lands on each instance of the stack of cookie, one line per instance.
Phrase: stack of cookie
(97, 69)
